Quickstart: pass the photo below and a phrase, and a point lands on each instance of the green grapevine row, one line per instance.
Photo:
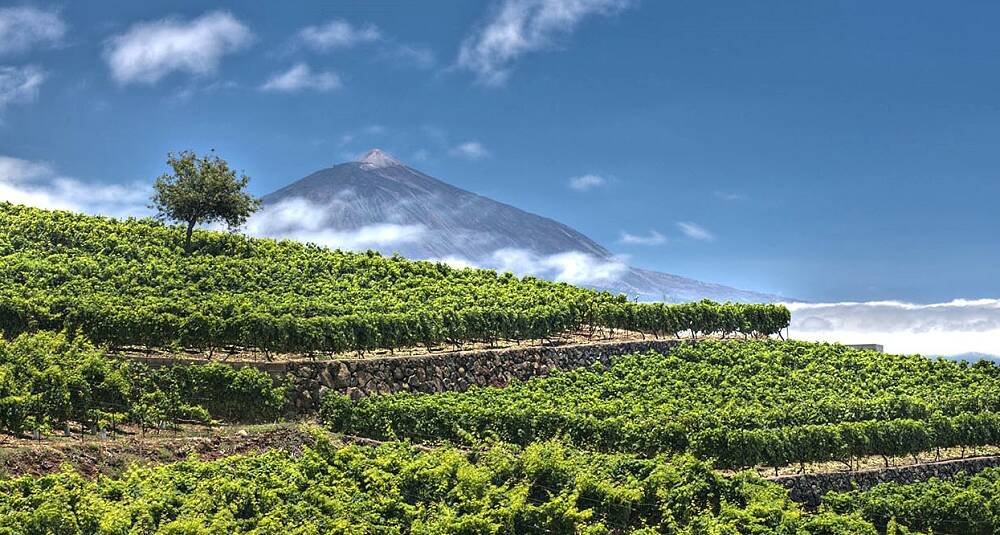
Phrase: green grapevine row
(129, 283)
(967, 504)
(741, 448)
(744, 403)
(48, 380)
(397, 489)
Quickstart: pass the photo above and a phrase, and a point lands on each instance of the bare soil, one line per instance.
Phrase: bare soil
(91, 456)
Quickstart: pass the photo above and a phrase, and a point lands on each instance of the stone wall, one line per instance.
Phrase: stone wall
(458, 370)
(810, 488)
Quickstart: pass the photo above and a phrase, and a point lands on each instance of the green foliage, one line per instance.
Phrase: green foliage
(395, 488)
(968, 504)
(202, 190)
(47, 379)
(128, 283)
(743, 403)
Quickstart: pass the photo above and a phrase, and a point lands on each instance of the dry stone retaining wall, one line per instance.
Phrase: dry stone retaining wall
(810, 488)
(358, 378)
(432, 372)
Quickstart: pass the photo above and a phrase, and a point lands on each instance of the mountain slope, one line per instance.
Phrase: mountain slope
(378, 190)
(432, 219)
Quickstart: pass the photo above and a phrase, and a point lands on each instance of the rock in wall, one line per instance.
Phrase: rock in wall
(810, 488)
(358, 378)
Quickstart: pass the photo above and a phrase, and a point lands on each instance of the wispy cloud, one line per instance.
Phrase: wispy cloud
(573, 267)
(38, 184)
(959, 326)
(695, 231)
(653, 238)
(729, 195)
(301, 77)
(410, 55)
(587, 182)
(19, 84)
(517, 27)
(301, 220)
(22, 28)
(338, 33)
(148, 51)
(470, 150)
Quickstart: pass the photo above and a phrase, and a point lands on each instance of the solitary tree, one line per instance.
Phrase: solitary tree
(202, 190)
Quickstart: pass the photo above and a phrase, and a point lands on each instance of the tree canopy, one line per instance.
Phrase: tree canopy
(202, 189)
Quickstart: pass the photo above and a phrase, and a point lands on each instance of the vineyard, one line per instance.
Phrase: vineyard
(638, 446)
(48, 381)
(741, 403)
(963, 504)
(131, 284)
(395, 488)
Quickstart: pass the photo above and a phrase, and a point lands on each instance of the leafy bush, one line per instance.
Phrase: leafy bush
(47, 379)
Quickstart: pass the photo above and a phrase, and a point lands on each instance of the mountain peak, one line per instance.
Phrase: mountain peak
(377, 159)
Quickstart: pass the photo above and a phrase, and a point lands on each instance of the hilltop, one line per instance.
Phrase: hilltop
(451, 223)
(130, 283)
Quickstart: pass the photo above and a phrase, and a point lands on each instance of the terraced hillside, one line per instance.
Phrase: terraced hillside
(649, 443)
(742, 404)
(130, 283)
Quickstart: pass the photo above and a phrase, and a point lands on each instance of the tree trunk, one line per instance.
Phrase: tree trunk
(187, 238)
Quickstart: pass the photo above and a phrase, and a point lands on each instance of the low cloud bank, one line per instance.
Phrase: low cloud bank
(956, 327)
(301, 220)
(38, 184)
(574, 267)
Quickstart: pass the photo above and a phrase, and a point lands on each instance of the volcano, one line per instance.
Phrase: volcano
(402, 210)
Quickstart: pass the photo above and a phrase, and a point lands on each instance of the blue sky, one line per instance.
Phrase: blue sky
(827, 151)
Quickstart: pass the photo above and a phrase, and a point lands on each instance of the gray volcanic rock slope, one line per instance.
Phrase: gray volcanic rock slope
(459, 223)
(455, 223)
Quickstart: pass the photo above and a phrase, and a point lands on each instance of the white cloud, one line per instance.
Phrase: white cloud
(520, 26)
(302, 220)
(24, 27)
(148, 51)
(411, 55)
(38, 184)
(729, 195)
(300, 77)
(341, 34)
(653, 238)
(19, 84)
(472, 150)
(338, 34)
(955, 327)
(573, 267)
(586, 182)
(695, 231)
(455, 262)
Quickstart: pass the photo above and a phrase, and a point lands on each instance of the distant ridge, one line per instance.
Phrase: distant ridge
(456, 224)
